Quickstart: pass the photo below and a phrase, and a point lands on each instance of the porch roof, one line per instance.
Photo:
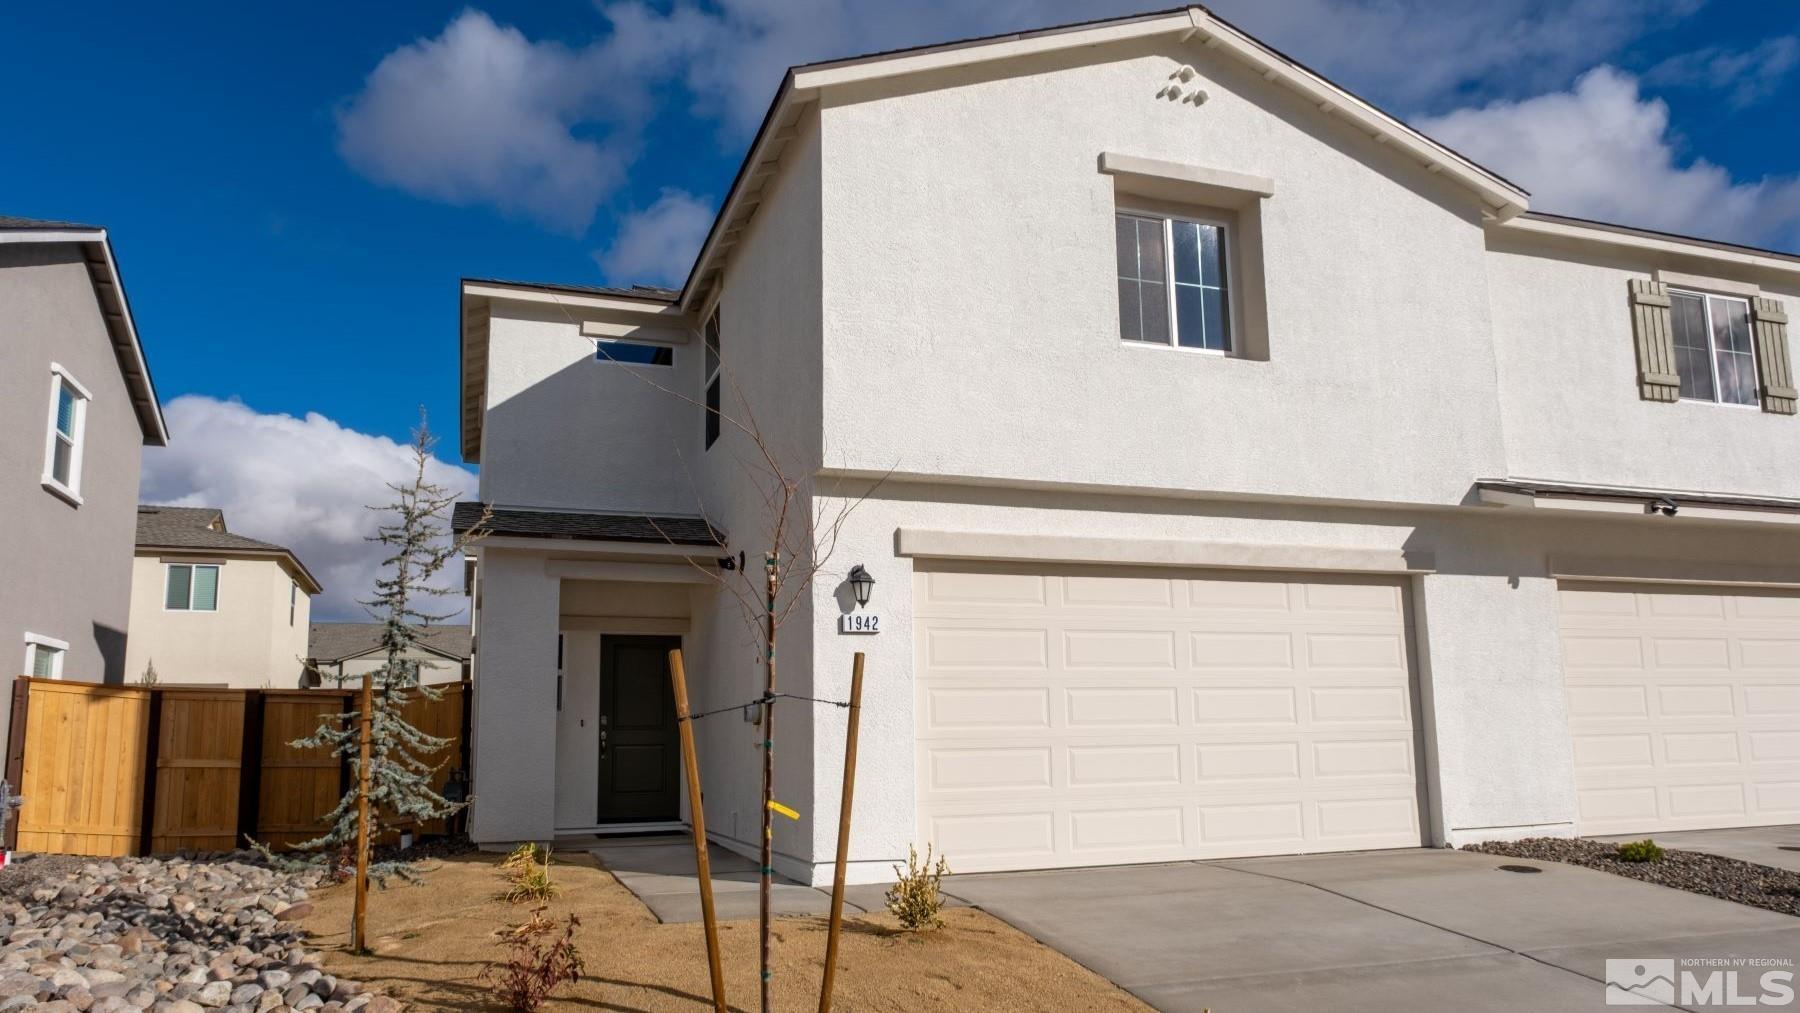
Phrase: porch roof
(588, 525)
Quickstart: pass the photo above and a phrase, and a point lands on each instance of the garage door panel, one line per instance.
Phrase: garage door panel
(1696, 729)
(1181, 718)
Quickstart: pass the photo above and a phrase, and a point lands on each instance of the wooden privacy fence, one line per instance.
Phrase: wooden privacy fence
(132, 770)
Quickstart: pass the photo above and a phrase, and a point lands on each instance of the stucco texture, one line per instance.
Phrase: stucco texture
(68, 566)
(249, 642)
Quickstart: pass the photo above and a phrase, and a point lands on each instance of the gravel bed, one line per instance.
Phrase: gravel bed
(1725, 878)
(170, 935)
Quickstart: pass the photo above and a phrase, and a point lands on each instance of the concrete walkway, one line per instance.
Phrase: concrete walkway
(1776, 846)
(660, 872)
(1400, 930)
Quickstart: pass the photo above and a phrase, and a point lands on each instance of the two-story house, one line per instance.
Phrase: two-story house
(213, 607)
(77, 406)
(1241, 472)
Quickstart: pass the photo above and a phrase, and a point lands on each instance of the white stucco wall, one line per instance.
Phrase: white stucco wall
(1568, 380)
(248, 642)
(971, 313)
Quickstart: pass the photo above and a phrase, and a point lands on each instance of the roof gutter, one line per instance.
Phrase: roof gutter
(1617, 501)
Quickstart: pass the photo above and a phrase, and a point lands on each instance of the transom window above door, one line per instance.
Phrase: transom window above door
(1173, 287)
(1714, 349)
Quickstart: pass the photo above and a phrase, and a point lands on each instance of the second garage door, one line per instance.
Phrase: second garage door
(1096, 716)
(1684, 706)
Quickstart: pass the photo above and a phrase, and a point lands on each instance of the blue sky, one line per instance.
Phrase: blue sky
(294, 190)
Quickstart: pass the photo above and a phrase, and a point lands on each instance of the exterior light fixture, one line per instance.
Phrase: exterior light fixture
(861, 583)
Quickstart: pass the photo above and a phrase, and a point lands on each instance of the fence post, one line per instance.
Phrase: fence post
(152, 751)
(15, 752)
(250, 768)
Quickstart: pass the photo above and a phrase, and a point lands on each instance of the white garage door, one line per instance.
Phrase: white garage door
(1684, 705)
(1089, 717)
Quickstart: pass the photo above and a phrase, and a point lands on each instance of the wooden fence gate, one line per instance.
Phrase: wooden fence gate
(132, 770)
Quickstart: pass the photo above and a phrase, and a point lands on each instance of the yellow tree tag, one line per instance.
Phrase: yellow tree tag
(783, 810)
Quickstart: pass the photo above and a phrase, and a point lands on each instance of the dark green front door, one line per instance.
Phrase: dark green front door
(640, 758)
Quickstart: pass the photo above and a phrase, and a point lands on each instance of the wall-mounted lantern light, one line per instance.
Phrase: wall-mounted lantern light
(861, 583)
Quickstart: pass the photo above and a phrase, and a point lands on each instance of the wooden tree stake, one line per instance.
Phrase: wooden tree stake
(359, 918)
(697, 809)
(843, 844)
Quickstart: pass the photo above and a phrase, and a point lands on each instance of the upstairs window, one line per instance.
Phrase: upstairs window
(191, 587)
(1172, 282)
(293, 600)
(63, 443)
(714, 366)
(1714, 350)
(632, 353)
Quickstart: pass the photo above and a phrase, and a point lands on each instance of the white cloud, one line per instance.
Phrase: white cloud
(483, 115)
(305, 483)
(1601, 150)
(657, 244)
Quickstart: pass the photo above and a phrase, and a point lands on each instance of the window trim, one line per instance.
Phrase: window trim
(1227, 237)
(33, 641)
(1712, 348)
(61, 378)
(711, 417)
(218, 570)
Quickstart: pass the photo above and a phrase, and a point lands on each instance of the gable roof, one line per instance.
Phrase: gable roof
(115, 309)
(329, 642)
(201, 530)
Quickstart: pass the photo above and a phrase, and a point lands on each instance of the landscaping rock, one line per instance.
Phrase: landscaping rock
(181, 934)
(1726, 878)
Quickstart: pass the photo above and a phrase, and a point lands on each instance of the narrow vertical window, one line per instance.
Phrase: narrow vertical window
(44, 656)
(67, 428)
(714, 367)
(293, 600)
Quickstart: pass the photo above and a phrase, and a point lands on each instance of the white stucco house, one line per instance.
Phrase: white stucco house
(210, 606)
(1245, 473)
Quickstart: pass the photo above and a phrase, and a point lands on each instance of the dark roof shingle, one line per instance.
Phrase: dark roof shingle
(327, 642)
(203, 529)
(15, 222)
(580, 524)
(656, 292)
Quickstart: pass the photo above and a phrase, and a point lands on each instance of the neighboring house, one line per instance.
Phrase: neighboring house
(77, 407)
(342, 652)
(215, 608)
(1246, 473)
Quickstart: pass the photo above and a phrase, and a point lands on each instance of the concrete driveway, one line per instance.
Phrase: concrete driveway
(1776, 846)
(1396, 930)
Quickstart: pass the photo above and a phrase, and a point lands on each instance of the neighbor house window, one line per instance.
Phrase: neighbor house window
(1172, 282)
(1714, 350)
(192, 587)
(44, 656)
(632, 353)
(293, 600)
(67, 428)
(714, 366)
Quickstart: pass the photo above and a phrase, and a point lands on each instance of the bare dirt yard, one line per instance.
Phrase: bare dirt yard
(431, 941)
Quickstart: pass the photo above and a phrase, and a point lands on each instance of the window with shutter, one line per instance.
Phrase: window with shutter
(1778, 393)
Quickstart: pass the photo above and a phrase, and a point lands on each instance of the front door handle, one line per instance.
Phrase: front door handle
(602, 742)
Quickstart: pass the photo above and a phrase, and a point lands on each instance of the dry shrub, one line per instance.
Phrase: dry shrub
(524, 855)
(915, 897)
(531, 881)
(539, 960)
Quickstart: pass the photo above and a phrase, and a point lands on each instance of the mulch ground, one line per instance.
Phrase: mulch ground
(1726, 878)
(430, 942)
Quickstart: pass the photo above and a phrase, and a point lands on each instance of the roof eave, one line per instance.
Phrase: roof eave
(279, 555)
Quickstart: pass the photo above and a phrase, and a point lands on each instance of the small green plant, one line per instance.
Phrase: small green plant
(539, 960)
(531, 881)
(916, 898)
(1645, 850)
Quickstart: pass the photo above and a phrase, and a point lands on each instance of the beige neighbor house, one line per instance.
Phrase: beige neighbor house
(340, 653)
(212, 607)
(1246, 474)
(77, 407)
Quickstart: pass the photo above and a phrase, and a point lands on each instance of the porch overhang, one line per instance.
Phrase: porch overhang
(1668, 505)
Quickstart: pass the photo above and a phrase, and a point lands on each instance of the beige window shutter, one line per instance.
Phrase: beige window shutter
(1772, 360)
(1650, 319)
